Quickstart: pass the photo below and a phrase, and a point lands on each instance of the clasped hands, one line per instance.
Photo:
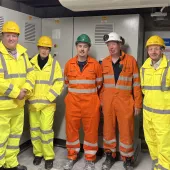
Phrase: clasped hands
(22, 94)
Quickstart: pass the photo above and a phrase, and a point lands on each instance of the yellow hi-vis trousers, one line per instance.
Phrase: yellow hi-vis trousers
(11, 128)
(42, 134)
(157, 136)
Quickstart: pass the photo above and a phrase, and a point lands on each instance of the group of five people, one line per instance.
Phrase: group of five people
(116, 85)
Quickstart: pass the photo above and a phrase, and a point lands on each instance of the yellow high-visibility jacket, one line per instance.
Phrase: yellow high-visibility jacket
(156, 89)
(15, 74)
(48, 84)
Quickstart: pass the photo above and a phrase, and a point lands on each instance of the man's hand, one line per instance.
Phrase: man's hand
(22, 94)
(137, 111)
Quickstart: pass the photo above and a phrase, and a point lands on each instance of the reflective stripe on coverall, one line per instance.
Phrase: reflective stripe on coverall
(82, 103)
(15, 74)
(119, 101)
(48, 85)
(156, 111)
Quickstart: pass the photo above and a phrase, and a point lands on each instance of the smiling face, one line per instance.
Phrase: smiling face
(82, 49)
(44, 51)
(10, 40)
(114, 48)
(155, 52)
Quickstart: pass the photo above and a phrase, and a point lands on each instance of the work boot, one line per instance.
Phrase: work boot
(49, 164)
(37, 160)
(128, 164)
(109, 161)
(69, 164)
(19, 167)
(89, 165)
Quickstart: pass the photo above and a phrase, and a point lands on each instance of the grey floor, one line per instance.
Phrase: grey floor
(26, 158)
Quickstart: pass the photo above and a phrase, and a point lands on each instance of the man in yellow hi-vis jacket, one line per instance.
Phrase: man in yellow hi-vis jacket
(17, 78)
(48, 85)
(155, 81)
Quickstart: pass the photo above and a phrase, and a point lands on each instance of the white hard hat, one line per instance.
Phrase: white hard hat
(112, 37)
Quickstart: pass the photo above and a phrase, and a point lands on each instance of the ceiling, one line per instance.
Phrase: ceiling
(40, 3)
(37, 4)
(53, 9)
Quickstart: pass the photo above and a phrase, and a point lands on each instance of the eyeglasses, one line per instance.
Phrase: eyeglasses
(154, 49)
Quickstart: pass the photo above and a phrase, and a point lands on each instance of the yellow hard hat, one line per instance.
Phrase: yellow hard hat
(155, 40)
(45, 41)
(11, 27)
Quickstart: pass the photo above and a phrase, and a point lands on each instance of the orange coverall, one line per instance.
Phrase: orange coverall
(82, 104)
(119, 100)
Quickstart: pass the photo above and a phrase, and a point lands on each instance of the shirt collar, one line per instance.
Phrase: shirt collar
(157, 64)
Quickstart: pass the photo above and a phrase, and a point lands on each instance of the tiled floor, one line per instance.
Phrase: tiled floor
(26, 158)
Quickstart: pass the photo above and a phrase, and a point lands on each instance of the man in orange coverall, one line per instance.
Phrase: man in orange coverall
(83, 76)
(121, 99)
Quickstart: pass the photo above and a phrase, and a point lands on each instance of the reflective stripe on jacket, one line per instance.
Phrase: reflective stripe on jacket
(156, 87)
(15, 74)
(48, 84)
(86, 82)
(128, 82)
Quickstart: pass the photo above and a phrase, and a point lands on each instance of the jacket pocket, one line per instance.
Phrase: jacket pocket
(90, 74)
(106, 70)
(72, 74)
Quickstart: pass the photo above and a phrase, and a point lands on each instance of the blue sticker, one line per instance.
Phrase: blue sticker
(167, 41)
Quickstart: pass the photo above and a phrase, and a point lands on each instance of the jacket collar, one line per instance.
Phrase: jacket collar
(121, 57)
(163, 64)
(34, 60)
(75, 59)
(20, 49)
